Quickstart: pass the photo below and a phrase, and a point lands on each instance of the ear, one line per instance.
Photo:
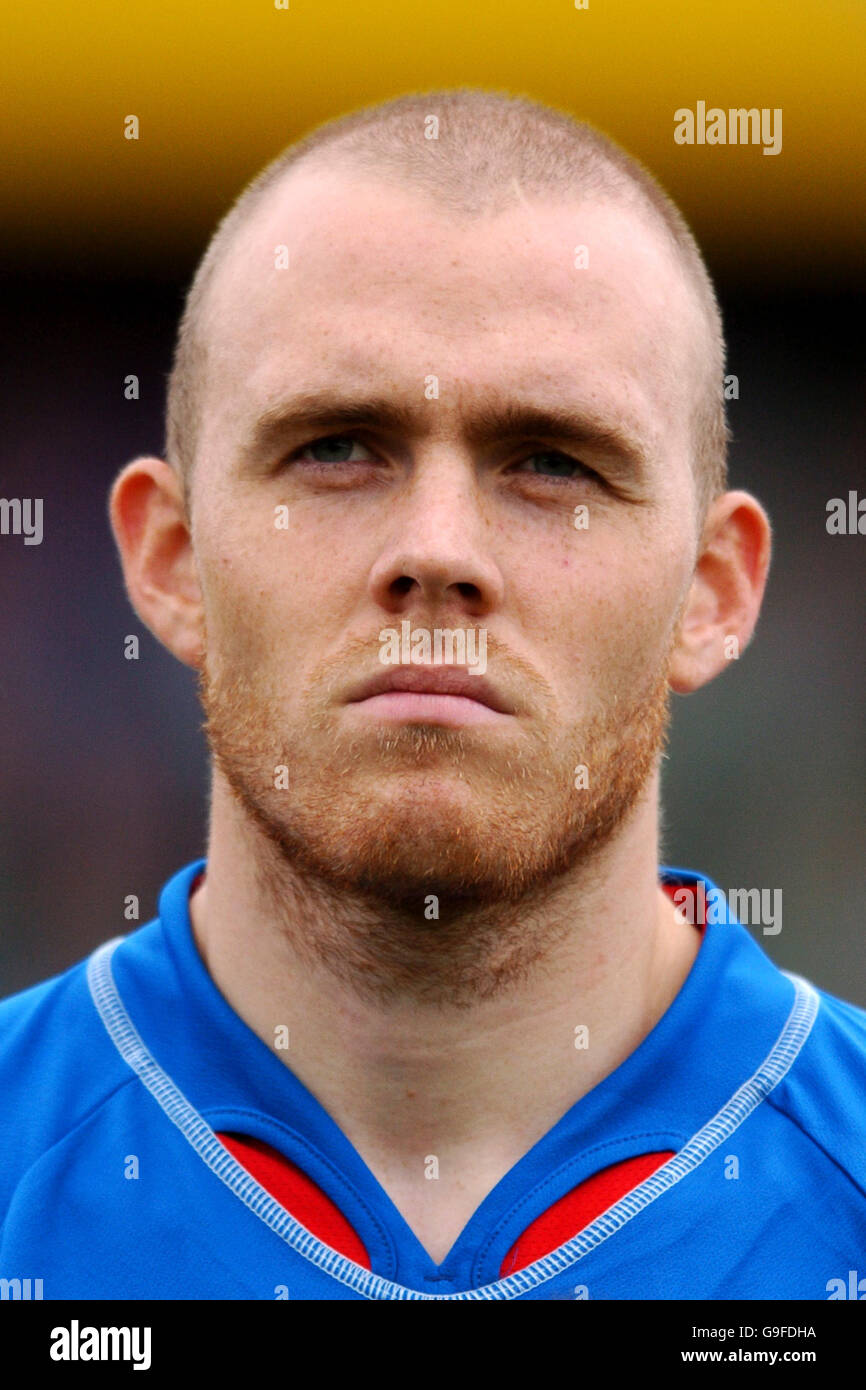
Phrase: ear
(724, 600)
(150, 524)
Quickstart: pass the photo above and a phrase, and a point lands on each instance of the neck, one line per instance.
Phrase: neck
(424, 1054)
(468, 1055)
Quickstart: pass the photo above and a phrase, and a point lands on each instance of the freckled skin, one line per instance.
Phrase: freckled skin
(312, 907)
(490, 307)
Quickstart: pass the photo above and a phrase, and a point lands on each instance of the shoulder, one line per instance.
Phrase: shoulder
(824, 1091)
(57, 1065)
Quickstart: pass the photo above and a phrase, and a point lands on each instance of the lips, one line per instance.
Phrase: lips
(434, 680)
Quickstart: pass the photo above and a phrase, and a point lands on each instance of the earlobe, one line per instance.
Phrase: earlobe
(727, 589)
(150, 524)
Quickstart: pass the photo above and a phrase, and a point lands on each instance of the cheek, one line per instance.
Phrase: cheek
(608, 609)
(272, 594)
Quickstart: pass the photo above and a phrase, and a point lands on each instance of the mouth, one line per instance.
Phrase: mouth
(447, 695)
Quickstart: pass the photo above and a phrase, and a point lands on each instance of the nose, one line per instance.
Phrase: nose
(438, 554)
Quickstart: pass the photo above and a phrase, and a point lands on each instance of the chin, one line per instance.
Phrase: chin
(403, 847)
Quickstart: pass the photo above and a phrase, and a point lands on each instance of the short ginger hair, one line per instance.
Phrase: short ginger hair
(490, 149)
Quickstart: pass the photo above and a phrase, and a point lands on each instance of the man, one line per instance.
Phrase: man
(443, 521)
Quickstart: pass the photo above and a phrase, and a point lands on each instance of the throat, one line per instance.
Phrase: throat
(440, 1194)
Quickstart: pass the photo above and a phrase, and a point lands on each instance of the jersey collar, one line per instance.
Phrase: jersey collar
(715, 1034)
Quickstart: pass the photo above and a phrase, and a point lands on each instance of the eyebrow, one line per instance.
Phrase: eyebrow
(329, 411)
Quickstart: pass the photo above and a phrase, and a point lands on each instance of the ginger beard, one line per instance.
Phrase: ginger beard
(374, 820)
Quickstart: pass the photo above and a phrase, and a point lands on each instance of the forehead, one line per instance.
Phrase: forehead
(340, 280)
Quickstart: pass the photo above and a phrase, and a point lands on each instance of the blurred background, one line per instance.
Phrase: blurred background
(104, 772)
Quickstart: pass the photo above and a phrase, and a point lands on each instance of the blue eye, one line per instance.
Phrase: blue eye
(556, 465)
(333, 448)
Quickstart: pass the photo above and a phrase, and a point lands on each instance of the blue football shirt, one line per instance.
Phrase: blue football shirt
(118, 1076)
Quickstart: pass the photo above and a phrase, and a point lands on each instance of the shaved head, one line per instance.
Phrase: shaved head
(473, 154)
(452, 364)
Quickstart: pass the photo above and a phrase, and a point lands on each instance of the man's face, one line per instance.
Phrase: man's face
(436, 520)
